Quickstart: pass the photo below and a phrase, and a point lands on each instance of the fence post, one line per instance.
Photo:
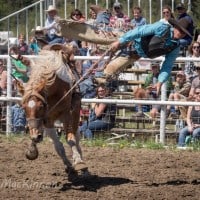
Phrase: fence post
(9, 94)
(163, 113)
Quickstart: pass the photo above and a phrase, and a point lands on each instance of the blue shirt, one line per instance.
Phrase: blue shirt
(156, 29)
(138, 22)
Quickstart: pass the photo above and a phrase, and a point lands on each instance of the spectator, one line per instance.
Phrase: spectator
(149, 90)
(102, 115)
(51, 26)
(148, 41)
(102, 16)
(34, 47)
(181, 92)
(195, 83)
(193, 122)
(119, 20)
(190, 68)
(18, 118)
(3, 78)
(167, 14)
(77, 15)
(138, 20)
(181, 11)
(22, 46)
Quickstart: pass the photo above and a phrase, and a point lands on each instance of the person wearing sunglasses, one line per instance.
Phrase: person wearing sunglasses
(167, 14)
(102, 115)
(119, 21)
(77, 15)
(182, 13)
(191, 67)
(193, 122)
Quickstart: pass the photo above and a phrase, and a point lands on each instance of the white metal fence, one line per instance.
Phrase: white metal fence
(9, 98)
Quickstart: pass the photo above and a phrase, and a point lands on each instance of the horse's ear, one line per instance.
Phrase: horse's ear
(20, 87)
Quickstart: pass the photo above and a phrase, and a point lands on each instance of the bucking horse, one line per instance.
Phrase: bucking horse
(48, 97)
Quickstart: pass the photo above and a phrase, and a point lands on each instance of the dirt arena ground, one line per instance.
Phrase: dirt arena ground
(115, 174)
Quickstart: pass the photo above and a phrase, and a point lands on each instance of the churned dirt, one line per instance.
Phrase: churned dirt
(115, 174)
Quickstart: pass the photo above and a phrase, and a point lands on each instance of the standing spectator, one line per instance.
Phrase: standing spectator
(167, 14)
(190, 68)
(181, 92)
(33, 46)
(51, 26)
(102, 115)
(3, 78)
(138, 19)
(181, 11)
(193, 122)
(119, 20)
(22, 46)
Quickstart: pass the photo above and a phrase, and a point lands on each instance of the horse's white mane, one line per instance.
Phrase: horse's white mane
(43, 67)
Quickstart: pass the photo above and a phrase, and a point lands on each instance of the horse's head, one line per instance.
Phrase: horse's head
(35, 106)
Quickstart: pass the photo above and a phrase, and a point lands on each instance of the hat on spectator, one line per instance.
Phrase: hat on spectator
(51, 8)
(180, 73)
(180, 5)
(21, 37)
(117, 5)
(38, 29)
(155, 64)
(181, 24)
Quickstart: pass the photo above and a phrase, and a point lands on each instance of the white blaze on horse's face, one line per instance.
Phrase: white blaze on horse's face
(31, 104)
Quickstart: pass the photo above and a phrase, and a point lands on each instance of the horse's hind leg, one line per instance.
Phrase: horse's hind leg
(59, 148)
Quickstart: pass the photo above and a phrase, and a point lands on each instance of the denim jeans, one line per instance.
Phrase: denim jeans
(184, 132)
(88, 128)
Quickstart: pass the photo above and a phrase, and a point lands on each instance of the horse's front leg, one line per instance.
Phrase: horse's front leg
(76, 152)
(51, 132)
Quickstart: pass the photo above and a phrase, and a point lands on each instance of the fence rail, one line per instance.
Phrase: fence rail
(9, 99)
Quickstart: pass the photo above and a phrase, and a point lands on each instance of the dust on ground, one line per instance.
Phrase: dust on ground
(126, 173)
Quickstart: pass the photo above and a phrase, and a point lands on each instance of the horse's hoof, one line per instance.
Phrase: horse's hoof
(32, 153)
(80, 166)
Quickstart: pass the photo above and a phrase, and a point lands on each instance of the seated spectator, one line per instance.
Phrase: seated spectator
(119, 21)
(102, 16)
(18, 118)
(149, 90)
(19, 70)
(22, 46)
(77, 15)
(33, 46)
(167, 14)
(138, 20)
(190, 68)
(181, 92)
(195, 83)
(3, 78)
(182, 13)
(51, 26)
(102, 115)
(193, 122)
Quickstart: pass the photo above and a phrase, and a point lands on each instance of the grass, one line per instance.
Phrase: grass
(103, 142)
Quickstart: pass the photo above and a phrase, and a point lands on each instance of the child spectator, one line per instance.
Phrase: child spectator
(138, 20)
(22, 46)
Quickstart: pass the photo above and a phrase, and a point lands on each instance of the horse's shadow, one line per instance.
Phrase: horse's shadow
(93, 183)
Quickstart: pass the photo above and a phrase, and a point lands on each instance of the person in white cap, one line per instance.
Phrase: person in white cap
(51, 26)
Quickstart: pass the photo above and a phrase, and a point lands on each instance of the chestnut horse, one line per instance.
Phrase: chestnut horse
(47, 98)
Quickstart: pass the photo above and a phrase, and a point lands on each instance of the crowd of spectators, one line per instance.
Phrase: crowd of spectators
(186, 81)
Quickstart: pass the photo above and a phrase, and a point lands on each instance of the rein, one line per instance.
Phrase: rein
(82, 78)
